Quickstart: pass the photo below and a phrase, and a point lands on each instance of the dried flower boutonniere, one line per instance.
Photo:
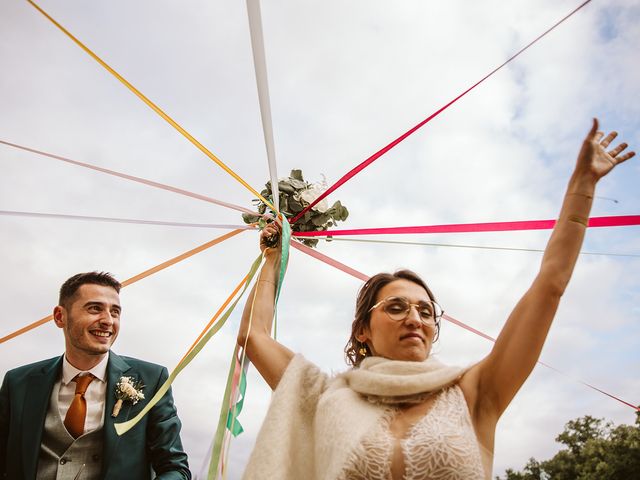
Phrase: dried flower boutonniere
(127, 389)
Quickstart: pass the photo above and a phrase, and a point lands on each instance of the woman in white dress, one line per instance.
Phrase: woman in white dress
(399, 414)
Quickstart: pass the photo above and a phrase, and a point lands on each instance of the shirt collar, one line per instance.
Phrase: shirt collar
(69, 372)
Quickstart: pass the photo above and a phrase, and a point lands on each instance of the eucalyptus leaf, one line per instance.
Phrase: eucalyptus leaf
(297, 184)
(295, 205)
(320, 220)
(284, 203)
(310, 242)
(283, 200)
(297, 174)
(250, 217)
(285, 186)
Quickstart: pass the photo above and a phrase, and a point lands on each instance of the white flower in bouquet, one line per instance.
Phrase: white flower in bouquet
(314, 191)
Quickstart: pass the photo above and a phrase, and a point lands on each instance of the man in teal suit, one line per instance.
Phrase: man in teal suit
(57, 415)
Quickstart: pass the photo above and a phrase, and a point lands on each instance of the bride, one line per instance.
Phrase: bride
(398, 413)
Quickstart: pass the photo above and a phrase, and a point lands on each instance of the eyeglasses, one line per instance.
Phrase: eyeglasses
(398, 308)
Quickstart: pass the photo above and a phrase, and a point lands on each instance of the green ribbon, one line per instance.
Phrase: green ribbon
(224, 420)
(128, 425)
(284, 261)
(228, 418)
(233, 425)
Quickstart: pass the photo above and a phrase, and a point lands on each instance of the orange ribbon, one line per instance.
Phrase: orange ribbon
(135, 278)
(215, 316)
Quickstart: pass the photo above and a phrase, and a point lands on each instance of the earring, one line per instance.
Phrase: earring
(362, 351)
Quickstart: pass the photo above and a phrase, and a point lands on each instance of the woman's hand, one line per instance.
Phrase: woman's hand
(594, 161)
(270, 239)
(491, 385)
(269, 357)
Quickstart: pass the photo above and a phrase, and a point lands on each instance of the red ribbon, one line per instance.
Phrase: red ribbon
(385, 149)
(612, 221)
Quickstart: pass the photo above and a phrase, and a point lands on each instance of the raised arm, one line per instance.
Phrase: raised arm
(270, 357)
(495, 380)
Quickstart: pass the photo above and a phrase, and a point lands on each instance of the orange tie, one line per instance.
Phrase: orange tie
(74, 421)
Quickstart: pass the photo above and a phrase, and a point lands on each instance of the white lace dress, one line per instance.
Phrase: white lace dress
(442, 445)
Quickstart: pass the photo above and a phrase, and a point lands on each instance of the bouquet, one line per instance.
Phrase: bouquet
(295, 195)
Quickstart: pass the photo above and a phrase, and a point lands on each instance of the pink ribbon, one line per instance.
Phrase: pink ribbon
(362, 276)
(150, 183)
(330, 261)
(612, 221)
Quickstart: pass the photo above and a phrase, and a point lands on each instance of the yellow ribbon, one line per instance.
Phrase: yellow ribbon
(154, 107)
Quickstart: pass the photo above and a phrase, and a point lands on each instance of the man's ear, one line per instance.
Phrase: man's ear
(59, 316)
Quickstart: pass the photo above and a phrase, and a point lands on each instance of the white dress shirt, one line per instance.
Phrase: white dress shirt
(65, 389)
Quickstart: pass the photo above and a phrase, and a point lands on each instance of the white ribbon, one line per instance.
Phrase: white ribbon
(260, 66)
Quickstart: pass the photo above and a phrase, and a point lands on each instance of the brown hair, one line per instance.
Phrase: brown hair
(71, 286)
(366, 299)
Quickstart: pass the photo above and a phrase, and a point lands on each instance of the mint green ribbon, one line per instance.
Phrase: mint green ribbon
(126, 426)
(284, 261)
(233, 425)
(228, 418)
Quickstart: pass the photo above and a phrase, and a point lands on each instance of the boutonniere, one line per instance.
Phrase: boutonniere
(129, 390)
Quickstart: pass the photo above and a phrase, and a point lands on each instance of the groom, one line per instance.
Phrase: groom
(56, 415)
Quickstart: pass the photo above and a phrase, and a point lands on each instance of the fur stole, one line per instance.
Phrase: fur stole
(314, 421)
(394, 381)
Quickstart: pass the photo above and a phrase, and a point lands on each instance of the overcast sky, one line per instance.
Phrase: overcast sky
(346, 77)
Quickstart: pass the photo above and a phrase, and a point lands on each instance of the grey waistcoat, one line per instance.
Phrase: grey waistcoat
(64, 458)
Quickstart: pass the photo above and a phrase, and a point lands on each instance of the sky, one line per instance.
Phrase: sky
(345, 78)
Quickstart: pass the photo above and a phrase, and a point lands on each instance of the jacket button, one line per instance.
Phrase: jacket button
(63, 461)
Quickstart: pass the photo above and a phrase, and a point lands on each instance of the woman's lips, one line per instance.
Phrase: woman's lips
(416, 336)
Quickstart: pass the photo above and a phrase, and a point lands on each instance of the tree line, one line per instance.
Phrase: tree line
(594, 449)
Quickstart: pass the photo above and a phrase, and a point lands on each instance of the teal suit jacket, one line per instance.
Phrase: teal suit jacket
(154, 443)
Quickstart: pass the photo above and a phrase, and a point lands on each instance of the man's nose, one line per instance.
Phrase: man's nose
(108, 318)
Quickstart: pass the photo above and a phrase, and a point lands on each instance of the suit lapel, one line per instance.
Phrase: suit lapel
(115, 369)
(36, 402)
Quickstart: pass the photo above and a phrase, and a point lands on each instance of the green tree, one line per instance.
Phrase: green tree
(595, 450)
